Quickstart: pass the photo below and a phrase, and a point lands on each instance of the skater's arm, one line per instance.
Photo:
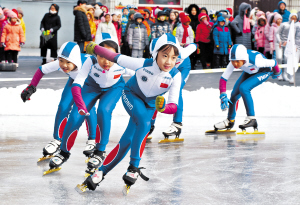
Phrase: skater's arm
(174, 92)
(37, 77)
(188, 50)
(76, 92)
(225, 76)
(262, 62)
(43, 70)
(170, 108)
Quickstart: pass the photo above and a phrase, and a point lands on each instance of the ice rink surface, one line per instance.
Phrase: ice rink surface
(201, 170)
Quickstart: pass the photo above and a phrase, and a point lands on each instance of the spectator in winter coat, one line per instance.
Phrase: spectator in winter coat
(3, 22)
(82, 31)
(117, 25)
(222, 39)
(106, 27)
(272, 34)
(97, 20)
(20, 16)
(258, 14)
(241, 26)
(130, 21)
(230, 11)
(194, 11)
(137, 36)
(161, 26)
(184, 32)
(12, 38)
(92, 24)
(90, 8)
(50, 22)
(203, 37)
(281, 37)
(270, 17)
(173, 20)
(282, 11)
(297, 42)
(105, 11)
(260, 34)
(124, 21)
(148, 16)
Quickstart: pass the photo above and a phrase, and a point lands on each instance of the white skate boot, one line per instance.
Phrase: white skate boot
(51, 147)
(174, 129)
(94, 162)
(91, 182)
(225, 124)
(90, 147)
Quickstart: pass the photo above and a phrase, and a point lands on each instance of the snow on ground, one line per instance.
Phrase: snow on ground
(269, 100)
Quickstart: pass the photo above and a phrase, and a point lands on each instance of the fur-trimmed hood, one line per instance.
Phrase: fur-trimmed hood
(78, 8)
(17, 23)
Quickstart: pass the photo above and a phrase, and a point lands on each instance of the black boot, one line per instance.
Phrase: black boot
(249, 122)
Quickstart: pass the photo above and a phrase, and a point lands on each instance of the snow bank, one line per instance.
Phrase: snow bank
(269, 100)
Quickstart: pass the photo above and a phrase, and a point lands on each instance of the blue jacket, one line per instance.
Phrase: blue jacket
(285, 13)
(222, 38)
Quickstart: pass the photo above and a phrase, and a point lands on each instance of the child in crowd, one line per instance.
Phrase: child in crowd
(223, 43)
(106, 27)
(161, 26)
(272, 34)
(20, 16)
(137, 36)
(184, 32)
(97, 19)
(3, 22)
(118, 26)
(203, 37)
(92, 24)
(260, 34)
(12, 38)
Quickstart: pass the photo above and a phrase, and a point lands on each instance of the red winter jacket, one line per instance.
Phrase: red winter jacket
(118, 30)
(203, 31)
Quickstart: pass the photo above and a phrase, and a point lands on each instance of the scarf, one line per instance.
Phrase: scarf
(246, 27)
(185, 33)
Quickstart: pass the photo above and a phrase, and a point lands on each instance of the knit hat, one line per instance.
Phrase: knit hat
(138, 15)
(161, 13)
(259, 13)
(98, 12)
(15, 10)
(184, 18)
(2, 17)
(11, 14)
(20, 11)
(131, 12)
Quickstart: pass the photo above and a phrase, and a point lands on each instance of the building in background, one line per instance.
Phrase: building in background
(34, 11)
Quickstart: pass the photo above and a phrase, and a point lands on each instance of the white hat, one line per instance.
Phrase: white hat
(238, 52)
(71, 52)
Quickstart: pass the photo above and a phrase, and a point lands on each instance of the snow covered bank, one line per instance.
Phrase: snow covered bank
(269, 100)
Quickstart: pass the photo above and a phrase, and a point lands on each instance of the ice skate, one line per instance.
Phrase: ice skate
(91, 182)
(95, 162)
(50, 149)
(173, 130)
(131, 176)
(57, 161)
(223, 127)
(250, 121)
(90, 147)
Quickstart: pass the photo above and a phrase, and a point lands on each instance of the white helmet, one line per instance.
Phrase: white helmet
(107, 37)
(238, 52)
(71, 52)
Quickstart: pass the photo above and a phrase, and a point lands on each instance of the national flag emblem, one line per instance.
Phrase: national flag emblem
(163, 85)
(117, 76)
(252, 69)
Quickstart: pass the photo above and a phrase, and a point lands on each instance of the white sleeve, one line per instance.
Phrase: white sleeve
(187, 51)
(129, 72)
(227, 73)
(50, 67)
(84, 72)
(98, 34)
(175, 89)
(262, 62)
(130, 62)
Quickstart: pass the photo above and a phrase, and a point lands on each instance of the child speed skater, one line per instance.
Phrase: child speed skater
(70, 61)
(256, 70)
(141, 96)
(100, 80)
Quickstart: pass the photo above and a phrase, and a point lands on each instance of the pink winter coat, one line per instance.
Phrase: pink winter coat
(267, 31)
(12, 36)
(272, 34)
(260, 33)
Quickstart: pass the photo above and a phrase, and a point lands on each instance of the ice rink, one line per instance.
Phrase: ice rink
(201, 170)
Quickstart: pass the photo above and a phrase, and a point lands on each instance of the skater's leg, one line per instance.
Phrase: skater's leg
(107, 103)
(63, 110)
(235, 96)
(246, 87)
(91, 124)
(75, 119)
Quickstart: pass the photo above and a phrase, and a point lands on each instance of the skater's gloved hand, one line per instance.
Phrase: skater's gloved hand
(26, 93)
(160, 103)
(90, 47)
(130, 46)
(224, 101)
(218, 47)
(276, 74)
(84, 112)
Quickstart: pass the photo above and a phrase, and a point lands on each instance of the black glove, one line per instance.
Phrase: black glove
(218, 47)
(26, 93)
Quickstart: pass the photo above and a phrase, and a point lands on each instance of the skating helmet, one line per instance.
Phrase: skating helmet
(71, 52)
(157, 43)
(107, 37)
(238, 52)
